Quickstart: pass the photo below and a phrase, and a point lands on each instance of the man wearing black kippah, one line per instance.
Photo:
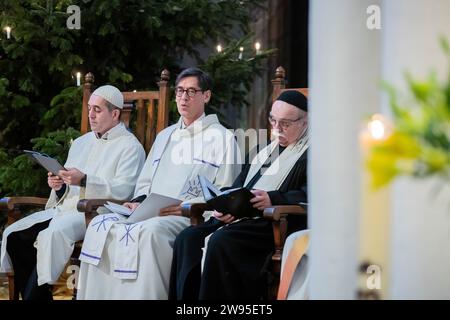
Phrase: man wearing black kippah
(235, 252)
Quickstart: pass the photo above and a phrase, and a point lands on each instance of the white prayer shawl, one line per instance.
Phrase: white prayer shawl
(112, 164)
(177, 157)
(272, 178)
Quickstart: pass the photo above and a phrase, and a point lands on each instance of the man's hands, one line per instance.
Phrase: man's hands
(54, 182)
(71, 176)
(131, 205)
(170, 211)
(261, 200)
(227, 218)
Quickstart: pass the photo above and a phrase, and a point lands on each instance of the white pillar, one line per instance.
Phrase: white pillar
(344, 74)
(420, 254)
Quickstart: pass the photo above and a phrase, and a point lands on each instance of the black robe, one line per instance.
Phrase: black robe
(238, 254)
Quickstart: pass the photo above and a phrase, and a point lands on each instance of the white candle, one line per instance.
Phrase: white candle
(241, 49)
(374, 220)
(8, 32)
(257, 47)
(219, 48)
(78, 79)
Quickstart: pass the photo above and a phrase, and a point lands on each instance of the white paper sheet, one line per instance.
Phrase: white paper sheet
(150, 207)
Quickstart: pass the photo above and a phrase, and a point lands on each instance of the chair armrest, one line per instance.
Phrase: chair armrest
(278, 214)
(275, 213)
(11, 203)
(90, 206)
(12, 206)
(194, 211)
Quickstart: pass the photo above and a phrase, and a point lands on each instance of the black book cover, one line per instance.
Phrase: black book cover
(233, 201)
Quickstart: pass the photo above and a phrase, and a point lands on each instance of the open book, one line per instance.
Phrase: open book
(149, 208)
(233, 201)
(50, 164)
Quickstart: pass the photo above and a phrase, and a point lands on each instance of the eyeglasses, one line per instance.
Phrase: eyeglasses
(284, 124)
(191, 92)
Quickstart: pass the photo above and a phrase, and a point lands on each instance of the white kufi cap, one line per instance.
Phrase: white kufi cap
(110, 94)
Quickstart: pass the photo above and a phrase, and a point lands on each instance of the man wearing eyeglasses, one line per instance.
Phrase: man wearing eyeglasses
(235, 252)
(132, 261)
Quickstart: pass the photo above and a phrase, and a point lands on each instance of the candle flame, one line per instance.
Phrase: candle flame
(8, 32)
(219, 48)
(377, 127)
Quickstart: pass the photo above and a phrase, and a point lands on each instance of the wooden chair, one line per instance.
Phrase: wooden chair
(152, 114)
(152, 110)
(279, 84)
(276, 214)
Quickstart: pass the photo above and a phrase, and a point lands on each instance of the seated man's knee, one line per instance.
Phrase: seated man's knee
(189, 234)
(15, 240)
(154, 226)
(219, 238)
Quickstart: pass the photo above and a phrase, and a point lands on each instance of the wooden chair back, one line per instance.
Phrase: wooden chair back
(279, 84)
(151, 107)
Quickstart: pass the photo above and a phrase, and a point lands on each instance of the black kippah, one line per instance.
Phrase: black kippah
(295, 98)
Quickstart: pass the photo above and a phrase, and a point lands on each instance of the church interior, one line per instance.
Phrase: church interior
(377, 75)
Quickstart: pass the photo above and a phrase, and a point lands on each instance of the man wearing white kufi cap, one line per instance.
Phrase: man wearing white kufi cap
(103, 163)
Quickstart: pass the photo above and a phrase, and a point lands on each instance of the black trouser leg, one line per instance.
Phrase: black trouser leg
(186, 264)
(20, 247)
(35, 292)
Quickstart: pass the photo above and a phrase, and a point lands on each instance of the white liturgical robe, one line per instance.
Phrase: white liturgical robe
(132, 261)
(112, 164)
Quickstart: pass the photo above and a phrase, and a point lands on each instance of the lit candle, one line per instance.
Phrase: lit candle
(241, 50)
(78, 79)
(257, 47)
(8, 32)
(374, 223)
(219, 48)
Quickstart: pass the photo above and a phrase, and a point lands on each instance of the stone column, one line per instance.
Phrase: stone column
(420, 225)
(344, 82)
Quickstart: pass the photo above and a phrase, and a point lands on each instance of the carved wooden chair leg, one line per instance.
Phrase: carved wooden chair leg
(279, 231)
(75, 262)
(13, 291)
